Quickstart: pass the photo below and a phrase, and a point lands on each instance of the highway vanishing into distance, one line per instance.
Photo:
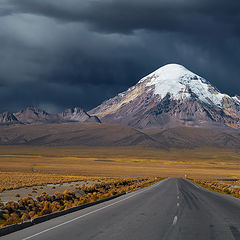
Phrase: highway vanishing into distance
(170, 209)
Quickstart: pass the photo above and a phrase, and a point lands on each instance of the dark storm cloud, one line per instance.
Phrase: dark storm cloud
(57, 54)
(51, 97)
(127, 16)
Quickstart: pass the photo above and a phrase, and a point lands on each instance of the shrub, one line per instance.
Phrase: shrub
(25, 217)
(27, 208)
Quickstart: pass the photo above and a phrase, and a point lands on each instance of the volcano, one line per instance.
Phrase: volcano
(169, 97)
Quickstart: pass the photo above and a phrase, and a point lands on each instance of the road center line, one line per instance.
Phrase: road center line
(177, 204)
(177, 188)
(97, 210)
(175, 220)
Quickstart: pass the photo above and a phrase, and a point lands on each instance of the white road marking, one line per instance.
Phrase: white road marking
(97, 210)
(177, 197)
(175, 220)
(194, 184)
(177, 204)
(177, 188)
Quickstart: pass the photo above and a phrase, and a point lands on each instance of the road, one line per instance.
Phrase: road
(171, 209)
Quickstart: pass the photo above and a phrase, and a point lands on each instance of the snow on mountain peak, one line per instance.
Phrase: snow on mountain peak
(180, 83)
(172, 71)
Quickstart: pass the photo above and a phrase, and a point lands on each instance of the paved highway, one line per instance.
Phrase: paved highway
(171, 209)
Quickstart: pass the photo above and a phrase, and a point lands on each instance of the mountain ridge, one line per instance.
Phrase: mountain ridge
(84, 134)
(33, 115)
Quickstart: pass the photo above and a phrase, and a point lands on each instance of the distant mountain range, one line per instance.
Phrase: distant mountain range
(32, 115)
(170, 108)
(169, 97)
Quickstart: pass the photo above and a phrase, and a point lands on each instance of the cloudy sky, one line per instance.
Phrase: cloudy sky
(56, 54)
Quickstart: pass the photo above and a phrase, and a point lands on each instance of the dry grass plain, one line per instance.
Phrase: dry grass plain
(227, 186)
(53, 164)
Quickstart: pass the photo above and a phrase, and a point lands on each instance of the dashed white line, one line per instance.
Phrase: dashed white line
(177, 188)
(177, 197)
(175, 220)
(177, 204)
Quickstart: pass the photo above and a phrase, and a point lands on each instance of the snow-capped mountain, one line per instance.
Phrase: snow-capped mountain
(171, 96)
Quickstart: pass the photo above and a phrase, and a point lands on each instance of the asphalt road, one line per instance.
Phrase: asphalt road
(171, 209)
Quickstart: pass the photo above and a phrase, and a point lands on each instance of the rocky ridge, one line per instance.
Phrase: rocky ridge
(33, 115)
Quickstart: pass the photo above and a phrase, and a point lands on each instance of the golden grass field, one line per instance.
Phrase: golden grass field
(14, 180)
(54, 164)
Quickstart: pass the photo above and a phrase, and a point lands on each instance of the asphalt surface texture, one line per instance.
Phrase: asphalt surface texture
(170, 209)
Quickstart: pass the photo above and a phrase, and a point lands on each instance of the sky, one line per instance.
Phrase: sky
(63, 53)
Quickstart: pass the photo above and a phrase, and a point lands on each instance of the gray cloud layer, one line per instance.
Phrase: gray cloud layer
(57, 54)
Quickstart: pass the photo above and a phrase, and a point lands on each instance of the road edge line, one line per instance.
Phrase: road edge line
(19, 226)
